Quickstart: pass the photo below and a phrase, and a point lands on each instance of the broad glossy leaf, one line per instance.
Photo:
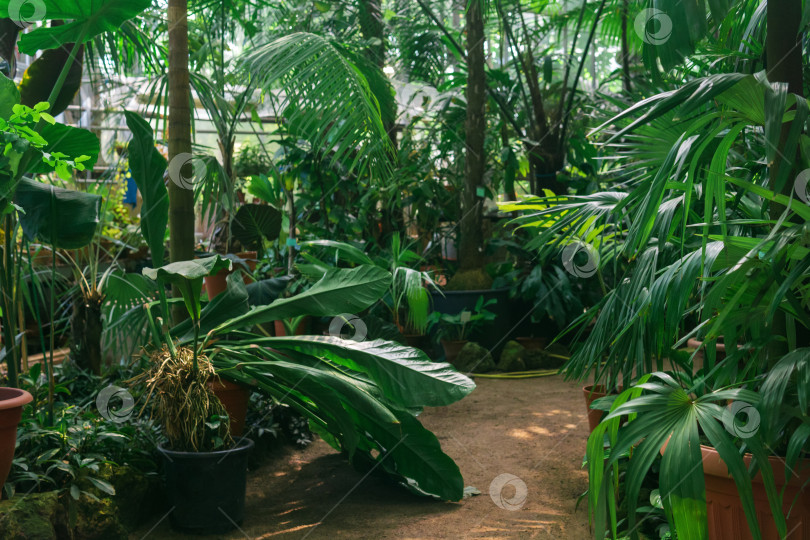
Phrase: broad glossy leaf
(62, 218)
(408, 453)
(41, 76)
(188, 277)
(254, 223)
(265, 291)
(148, 166)
(89, 19)
(9, 96)
(71, 141)
(406, 375)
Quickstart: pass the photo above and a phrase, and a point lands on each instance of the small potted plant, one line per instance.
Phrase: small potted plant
(205, 470)
(453, 331)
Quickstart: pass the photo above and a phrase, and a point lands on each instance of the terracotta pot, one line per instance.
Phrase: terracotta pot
(700, 356)
(11, 404)
(725, 511)
(532, 343)
(724, 508)
(281, 330)
(452, 348)
(217, 283)
(234, 398)
(592, 393)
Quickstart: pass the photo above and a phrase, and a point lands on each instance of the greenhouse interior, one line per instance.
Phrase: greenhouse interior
(405, 269)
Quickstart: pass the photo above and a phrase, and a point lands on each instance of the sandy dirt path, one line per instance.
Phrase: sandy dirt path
(533, 429)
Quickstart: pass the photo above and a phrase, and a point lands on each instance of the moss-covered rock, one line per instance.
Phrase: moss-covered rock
(470, 280)
(39, 516)
(473, 358)
(552, 357)
(138, 496)
(96, 519)
(511, 357)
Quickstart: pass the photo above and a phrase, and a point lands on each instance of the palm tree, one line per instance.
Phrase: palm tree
(181, 199)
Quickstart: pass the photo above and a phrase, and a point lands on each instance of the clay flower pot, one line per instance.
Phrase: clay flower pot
(724, 508)
(11, 404)
(217, 283)
(592, 393)
(234, 398)
(281, 330)
(452, 348)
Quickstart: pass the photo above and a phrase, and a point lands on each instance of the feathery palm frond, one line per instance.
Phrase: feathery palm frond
(325, 100)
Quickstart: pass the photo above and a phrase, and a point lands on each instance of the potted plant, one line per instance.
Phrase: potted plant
(736, 433)
(205, 469)
(453, 330)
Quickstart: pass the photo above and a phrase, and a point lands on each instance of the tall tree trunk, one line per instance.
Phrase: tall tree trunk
(471, 234)
(372, 27)
(181, 200)
(86, 328)
(625, 52)
(784, 57)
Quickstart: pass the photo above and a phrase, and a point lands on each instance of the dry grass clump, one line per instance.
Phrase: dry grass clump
(193, 418)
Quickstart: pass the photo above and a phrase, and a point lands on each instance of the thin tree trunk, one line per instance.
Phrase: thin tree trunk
(625, 52)
(181, 200)
(784, 57)
(86, 328)
(471, 234)
(373, 28)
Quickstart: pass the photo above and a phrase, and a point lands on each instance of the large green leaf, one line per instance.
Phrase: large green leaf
(254, 223)
(9, 96)
(265, 291)
(371, 433)
(71, 141)
(339, 291)
(62, 218)
(406, 375)
(148, 166)
(41, 77)
(188, 277)
(89, 19)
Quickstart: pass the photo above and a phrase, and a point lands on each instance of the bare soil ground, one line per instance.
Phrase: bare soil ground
(534, 429)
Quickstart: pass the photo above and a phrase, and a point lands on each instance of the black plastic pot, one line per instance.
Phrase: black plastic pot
(495, 335)
(206, 490)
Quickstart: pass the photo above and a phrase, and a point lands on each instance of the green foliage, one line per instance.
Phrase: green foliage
(148, 166)
(89, 19)
(327, 102)
(458, 327)
(72, 453)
